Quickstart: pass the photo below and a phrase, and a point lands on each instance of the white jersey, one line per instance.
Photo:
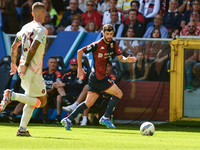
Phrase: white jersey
(27, 35)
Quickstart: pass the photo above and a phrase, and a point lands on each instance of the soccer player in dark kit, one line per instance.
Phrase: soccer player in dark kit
(98, 82)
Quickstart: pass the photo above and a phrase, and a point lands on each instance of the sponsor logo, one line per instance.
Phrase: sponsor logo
(43, 91)
(88, 48)
(100, 55)
(102, 47)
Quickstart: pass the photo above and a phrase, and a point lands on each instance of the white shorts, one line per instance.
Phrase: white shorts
(33, 84)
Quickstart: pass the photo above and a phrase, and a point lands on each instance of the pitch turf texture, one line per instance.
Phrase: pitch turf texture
(168, 136)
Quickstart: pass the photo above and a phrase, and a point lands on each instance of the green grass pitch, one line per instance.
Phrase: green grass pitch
(168, 136)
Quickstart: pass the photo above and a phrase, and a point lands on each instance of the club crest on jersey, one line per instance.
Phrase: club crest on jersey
(109, 81)
(89, 48)
(43, 91)
(111, 45)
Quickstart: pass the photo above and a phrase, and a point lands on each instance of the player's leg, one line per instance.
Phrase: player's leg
(81, 98)
(90, 100)
(26, 116)
(84, 120)
(117, 95)
(62, 93)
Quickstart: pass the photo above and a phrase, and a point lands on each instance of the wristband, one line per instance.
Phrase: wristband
(188, 2)
(26, 64)
(184, 2)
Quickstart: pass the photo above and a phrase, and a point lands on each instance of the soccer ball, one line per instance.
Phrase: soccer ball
(147, 128)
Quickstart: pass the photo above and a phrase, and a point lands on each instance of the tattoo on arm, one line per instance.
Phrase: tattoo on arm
(14, 51)
(32, 52)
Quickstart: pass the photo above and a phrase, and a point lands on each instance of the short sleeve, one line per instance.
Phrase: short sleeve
(90, 48)
(117, 50)
(19, 35)
(41, 35)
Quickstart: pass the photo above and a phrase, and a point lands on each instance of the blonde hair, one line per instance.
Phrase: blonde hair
(50, 5)
(37, 5)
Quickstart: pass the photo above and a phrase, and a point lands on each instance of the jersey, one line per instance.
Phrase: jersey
(27, 35)
(49, 79)
(101, 54)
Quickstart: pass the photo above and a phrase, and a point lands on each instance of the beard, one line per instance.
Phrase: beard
(108, 39)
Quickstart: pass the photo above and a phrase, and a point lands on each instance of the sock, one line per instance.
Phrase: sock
(84, 117)
(111, 106)
(13, 115)
(26, 116)
(75, 104)
(26, 99)
(79, 109)
(44, 115)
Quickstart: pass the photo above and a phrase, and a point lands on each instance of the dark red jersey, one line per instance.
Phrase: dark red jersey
(101, 54)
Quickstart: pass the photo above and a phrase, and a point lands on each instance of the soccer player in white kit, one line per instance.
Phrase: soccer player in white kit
(33, 39)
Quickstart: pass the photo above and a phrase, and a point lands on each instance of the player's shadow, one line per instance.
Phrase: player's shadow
(56, 138)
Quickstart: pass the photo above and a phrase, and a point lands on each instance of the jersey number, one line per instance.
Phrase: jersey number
(28, 37)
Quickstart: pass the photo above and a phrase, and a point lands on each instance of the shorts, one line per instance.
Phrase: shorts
(33, 84)
(98, 86)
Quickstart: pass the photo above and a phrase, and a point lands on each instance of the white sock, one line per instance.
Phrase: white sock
(26, 116)
(75, 104)
(84, 117)
(24, 98)
(105, 117)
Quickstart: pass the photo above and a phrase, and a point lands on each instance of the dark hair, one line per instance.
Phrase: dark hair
(127, 30)
(133, 10)
(114, 11)
(136, 3)
(52, 57)
(174, 29)
(143, 63)
(109, 62)
(153, 31)
(108, 27)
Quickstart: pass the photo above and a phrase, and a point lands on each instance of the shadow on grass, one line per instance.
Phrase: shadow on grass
(182, 126)
(55, 138)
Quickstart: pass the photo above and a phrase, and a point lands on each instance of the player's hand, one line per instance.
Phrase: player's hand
(13, 69)
(23, 70)
(81, 73)
(131, 59)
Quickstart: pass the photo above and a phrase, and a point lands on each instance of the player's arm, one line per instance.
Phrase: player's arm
(81, 71)
(31, 52)
(126, 59)
(14, 52)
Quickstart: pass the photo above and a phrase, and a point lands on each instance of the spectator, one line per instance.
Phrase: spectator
(68, 88)
(106, 15)
(192, 63)
(91, 14)
(136, 5)
(47, 20)
(174, 32)
(124, 6)
(184, 5)
(186, 15)
(58, 5)
(103, 6)
(91, 26)
(66, 18)
(135, 24)
(74, 27)
(129, 47)
(78, 18)
(172, 18)
(83, 94)
(83, 6)
(140, 68)
(117, 25)
(158, 24)
(53, 14)
(27, 9)
(152, 49)
(10, 24)
(194, 17)
(49, 41)
(149, 9)
(50, 76)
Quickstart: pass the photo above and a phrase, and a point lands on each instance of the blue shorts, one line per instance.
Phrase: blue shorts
(98, 86)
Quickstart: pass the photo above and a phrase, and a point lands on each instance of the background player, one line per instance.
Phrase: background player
(32, 36)
(98, 82)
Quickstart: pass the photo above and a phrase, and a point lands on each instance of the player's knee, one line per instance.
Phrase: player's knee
(43, 103)
(119, 94)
